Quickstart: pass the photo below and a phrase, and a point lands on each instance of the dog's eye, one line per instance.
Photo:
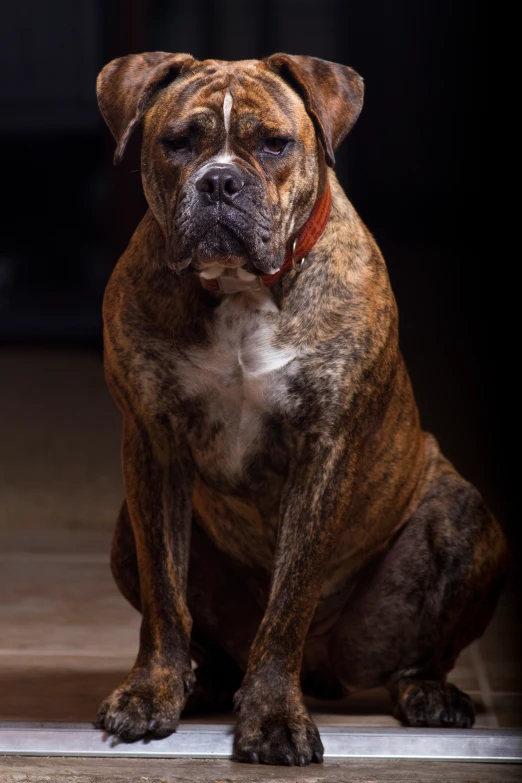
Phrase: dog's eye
(274, 146)
(179, 145)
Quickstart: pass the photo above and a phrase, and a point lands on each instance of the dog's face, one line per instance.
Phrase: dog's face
(234, 155)
(230, 165)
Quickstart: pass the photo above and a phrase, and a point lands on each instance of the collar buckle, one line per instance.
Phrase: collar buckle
(297, 266)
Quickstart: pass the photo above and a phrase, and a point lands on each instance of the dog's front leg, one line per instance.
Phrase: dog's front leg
(158, 483)
(273, 723)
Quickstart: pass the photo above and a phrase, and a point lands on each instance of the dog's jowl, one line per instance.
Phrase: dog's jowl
(287, 524)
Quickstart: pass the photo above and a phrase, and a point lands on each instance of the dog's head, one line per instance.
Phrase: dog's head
(234, 154)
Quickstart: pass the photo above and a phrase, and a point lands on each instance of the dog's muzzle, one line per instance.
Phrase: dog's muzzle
(223, 218)
(226, 213)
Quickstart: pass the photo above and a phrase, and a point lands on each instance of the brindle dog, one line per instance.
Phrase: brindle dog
(287, 524)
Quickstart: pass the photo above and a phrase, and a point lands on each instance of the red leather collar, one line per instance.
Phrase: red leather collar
(307, 237)
(299, 247)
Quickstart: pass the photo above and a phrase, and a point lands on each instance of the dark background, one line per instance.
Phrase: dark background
(415, 167)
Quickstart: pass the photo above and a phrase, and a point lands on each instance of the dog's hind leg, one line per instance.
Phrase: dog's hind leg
(428, 596)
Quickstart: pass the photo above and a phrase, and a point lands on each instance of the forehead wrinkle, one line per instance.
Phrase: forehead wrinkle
(273, 87)
(202, 115)
(267, 109)
(200, 100)
(196, 87)
(251, 122)
(210, 84)
(188, 87)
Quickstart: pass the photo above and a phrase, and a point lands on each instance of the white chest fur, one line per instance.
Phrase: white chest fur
(241, 375)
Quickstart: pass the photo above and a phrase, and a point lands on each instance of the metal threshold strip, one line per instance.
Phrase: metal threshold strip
(215, 741)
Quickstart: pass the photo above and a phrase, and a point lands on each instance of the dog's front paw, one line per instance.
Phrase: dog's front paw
(275, 730)
(148, 702)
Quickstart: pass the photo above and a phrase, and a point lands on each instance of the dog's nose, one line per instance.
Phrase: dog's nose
(220, 183)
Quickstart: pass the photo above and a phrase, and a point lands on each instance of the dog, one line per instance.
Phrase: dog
(287, 527)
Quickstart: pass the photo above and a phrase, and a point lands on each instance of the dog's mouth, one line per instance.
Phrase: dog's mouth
(222, 245)
(226, 236)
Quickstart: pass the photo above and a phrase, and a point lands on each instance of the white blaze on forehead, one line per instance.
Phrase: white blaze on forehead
(227, 108)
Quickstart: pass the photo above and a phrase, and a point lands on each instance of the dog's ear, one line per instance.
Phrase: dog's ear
(332, 94)
(126, 88)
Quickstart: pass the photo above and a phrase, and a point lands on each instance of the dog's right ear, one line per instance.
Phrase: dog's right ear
(126, 88)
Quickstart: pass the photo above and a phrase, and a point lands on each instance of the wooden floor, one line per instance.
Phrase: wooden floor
(67, 636)
(200, 771)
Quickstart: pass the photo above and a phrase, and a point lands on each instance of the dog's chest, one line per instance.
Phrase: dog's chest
(240, 379)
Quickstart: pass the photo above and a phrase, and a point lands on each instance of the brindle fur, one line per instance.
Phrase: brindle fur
(286, 520)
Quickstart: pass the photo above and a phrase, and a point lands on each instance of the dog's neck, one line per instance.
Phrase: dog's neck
(221, 280)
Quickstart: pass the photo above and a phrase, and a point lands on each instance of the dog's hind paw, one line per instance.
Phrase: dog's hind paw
(432, 703)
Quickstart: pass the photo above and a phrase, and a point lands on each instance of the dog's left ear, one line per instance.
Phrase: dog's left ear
(126, 88)
(332, 94)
